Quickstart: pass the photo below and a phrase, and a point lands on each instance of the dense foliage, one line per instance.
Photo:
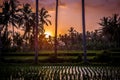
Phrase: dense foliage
(17, 28)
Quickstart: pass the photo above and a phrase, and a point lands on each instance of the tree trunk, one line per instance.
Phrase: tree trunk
(56, 26)
(36, 33)
(0, 46)
(84, 35)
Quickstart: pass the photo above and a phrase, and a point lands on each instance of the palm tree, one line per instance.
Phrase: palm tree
(14, 17)
(111, 29)
(84, 35)
(43, 20)
(18, 40)
(9, 15)
(36, 33)
(29, 21)
(72, 32)
(5, 16)
(56, 26)
(25, 21)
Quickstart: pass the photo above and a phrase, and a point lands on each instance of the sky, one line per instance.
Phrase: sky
(70, 13)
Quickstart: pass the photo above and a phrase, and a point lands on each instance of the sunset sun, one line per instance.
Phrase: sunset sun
(47, 34)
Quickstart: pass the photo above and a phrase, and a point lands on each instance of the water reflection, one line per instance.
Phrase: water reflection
(62, 73)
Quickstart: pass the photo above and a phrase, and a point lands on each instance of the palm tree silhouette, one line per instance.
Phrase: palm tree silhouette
(83, 26)
(5, 16)
(36, 33)
(56, 26)
(43, 20)
(9, 15)
(72, 32)
(14, 17)
(111, 29)
(27, 16)
(27, 22)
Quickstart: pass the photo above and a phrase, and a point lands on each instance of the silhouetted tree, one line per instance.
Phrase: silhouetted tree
(36, 32)
(72, 33)
(10, 15)
(14, 15)
(111, 28)
(56, 27)
(18, 41)
(5, 17)
(26, 16)
(84, 31)
(66, 39)
(27, 23)
(43, 20)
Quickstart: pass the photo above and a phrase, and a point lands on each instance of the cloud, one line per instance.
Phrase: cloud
(70, 11)
(106, 5)
(51, 4)
(62, 3)
(1, 1)
(48, 4)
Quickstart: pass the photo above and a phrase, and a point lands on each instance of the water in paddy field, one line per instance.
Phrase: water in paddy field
(61, 73)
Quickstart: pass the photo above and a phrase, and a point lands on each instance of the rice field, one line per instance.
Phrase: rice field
(59, 72)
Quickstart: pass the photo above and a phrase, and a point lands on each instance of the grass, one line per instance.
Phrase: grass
(51, 52)
(26, 57)
(40, 57)
(60, 51)
(65, 55)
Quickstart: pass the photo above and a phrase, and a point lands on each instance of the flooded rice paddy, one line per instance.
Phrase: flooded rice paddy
(60, 73)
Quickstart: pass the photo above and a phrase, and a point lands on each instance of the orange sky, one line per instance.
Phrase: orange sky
(70, 13)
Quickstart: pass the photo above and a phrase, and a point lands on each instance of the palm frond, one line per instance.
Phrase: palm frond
(49, 21)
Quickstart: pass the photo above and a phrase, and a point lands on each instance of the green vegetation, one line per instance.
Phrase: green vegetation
(96, 56)
(59, 52)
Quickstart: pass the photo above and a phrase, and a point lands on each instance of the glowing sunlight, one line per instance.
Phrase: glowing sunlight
(47, 34)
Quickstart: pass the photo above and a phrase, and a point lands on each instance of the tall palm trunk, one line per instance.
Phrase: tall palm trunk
(56, 26)
(36, 34)
(84, 35)
(0, 46)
